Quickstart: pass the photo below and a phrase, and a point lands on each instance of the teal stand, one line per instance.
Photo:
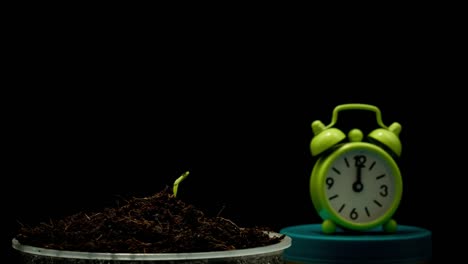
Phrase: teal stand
(408, 244)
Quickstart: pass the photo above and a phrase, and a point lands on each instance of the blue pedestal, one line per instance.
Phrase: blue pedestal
(408, 244)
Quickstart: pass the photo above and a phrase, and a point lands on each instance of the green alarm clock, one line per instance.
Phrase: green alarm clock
(356, 183)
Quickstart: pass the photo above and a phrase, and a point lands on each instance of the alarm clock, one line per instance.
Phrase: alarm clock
(356, 183)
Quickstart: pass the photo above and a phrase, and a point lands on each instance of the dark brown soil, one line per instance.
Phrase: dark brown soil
(160, 223)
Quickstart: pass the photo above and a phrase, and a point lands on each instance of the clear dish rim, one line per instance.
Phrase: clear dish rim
(264, 250)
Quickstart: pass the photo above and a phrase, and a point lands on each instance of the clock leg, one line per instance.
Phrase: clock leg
(328, 227)
(390, 226)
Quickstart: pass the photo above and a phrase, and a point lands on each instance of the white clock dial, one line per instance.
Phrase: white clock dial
(360, 186)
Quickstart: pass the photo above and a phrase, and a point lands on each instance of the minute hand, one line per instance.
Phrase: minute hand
(357, 185)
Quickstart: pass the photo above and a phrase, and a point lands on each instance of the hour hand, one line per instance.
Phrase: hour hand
(357, 185)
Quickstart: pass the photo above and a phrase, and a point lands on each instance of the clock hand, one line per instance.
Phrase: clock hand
(357, 185)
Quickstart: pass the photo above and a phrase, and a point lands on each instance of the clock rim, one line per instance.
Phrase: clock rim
(317, 181)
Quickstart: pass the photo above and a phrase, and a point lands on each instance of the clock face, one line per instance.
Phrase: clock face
(361, 185)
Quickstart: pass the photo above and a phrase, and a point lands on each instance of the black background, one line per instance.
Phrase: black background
(89, 124)
(247, 152)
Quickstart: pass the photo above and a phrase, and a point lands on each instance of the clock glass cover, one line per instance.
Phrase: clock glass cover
(360, 185)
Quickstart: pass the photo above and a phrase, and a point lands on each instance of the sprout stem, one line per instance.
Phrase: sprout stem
(176, 182)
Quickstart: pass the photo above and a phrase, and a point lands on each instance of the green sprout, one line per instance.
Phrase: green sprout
(176, 182)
